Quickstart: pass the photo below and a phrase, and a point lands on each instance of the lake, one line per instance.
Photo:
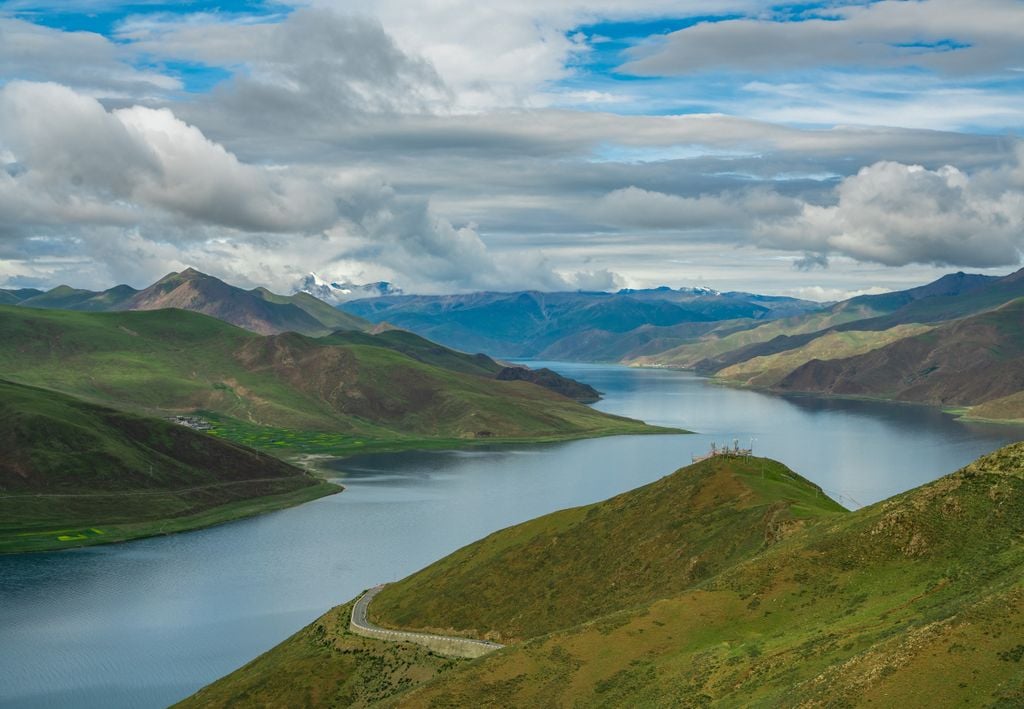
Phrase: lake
(147, 623)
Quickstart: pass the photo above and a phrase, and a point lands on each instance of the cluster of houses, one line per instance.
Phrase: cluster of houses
(194, 422)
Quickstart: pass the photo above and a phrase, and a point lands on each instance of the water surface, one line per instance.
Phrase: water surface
(147, 623)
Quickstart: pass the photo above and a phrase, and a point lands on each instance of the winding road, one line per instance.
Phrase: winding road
(441, 644)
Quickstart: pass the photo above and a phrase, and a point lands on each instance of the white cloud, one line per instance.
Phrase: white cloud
(139, 186)
(636, 207)
(950, 36)
(889, 213)
(897, 214)
(86, 60)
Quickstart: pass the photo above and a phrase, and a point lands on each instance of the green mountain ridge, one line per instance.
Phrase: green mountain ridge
(257, 310)
(914, 601)
(356, 389)
(963, 363)
(74, 473)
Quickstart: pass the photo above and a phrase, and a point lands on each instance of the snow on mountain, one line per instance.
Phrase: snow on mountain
(334, 292)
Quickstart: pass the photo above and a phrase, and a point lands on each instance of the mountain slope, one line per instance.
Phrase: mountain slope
(525, 324)
(916, 601)
(173, 361)
(74, 473)
(13, 296)
(257, 310)
(662, 538)
(951, 296)
(965, 362)
(769, 370)
(67, 298)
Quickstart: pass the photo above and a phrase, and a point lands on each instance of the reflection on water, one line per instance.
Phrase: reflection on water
(146, 623)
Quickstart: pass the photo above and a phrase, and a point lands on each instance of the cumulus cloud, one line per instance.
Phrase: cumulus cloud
(138, 185)
(889, 213)
(897, 214)
(77, 162)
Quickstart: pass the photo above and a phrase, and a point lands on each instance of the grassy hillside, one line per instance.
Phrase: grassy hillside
(916, 601)
(965, 362)
(951, 296)
(74, 473)
(1005, 408)
(735, 337)
(769, 370)
(562, 569)
(324, 665)
(344, 395)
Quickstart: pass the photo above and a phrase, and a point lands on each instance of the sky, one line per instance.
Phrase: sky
(817, 150)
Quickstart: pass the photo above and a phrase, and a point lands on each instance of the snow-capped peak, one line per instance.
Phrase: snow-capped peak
(335, 292)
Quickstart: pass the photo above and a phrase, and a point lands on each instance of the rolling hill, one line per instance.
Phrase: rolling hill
(257, 310)
(74, 474)
(962, 363)
(289, 392)
(714, 586)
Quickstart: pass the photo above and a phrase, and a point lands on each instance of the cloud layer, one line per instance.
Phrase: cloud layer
(456, 146)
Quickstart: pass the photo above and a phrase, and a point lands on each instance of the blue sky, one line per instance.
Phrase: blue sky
(458, 145)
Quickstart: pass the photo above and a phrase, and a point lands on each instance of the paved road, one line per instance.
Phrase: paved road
(446, 644)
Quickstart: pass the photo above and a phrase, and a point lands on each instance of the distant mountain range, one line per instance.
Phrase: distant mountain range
(579, 326)
(957, 342)
(335, 293)
(257, 310)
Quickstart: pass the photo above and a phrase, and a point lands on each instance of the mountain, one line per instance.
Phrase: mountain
(962, 363)
(74, 473)
(424, 350)
(732, 582)
(534, 324)
(337, 293)
(952, 342)
(952, 295)
(769, 370)
(257, 310)
(68, 298)
(13, 296)
(288, 392)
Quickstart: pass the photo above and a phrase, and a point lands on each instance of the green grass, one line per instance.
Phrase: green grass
(295, 444)
(562, 569)
(769, 370)
(75, 474)
(31, 524)
(916, 601)
(324, 665)
(175, 361)
(716, 343)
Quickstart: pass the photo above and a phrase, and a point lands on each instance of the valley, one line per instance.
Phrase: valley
(928, 344)
(237, 590)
